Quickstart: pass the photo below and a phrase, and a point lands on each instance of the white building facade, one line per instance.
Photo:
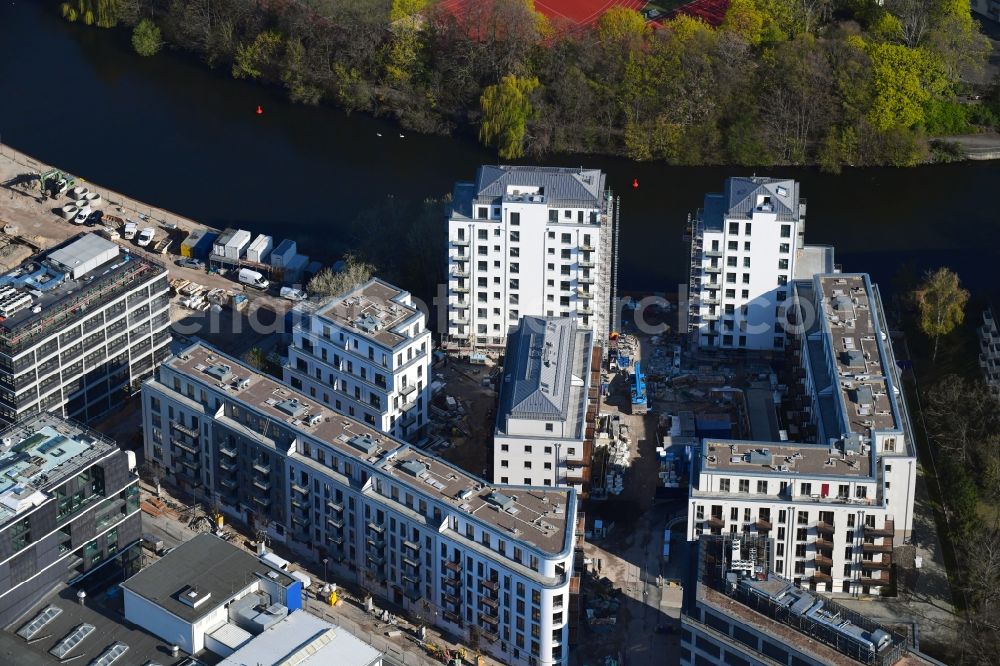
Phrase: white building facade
(529, 241)
(744, 243)
(366, 354)
(547, 405)
(835, 508)
(491, 564)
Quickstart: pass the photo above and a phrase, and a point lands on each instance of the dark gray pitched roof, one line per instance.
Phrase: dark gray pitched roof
(742, 192)
(539, 368)
(557, 183)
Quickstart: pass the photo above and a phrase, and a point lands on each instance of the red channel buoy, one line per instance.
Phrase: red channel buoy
(260, 110)
(635, 183)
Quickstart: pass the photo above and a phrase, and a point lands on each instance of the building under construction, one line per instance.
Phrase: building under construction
(79, 326)
(738, 611)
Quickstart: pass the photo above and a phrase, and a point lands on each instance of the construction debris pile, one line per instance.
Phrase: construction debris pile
(194, 296)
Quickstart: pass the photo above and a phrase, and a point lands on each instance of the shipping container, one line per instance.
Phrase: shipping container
(295, 269)
(198, 244)
(260, 249)
(281, 255)
(237, 245)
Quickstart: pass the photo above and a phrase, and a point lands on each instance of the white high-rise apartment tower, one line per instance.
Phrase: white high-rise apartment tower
(745, 243)
(528, 241)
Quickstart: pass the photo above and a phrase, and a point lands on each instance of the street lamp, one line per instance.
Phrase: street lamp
(326, 577)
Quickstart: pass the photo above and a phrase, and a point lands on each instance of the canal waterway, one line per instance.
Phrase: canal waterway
(169, 131)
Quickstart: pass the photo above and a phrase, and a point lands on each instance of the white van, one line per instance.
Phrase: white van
(130, 229)
(253, 279)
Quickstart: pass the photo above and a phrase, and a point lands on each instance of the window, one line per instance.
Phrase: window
(515, 219)
(734, 227)
(724, 485)
(762, 487)
(786, 231)
(805, 489)
(744, 486)
(783, 248)
(548, 427)
(803, 518)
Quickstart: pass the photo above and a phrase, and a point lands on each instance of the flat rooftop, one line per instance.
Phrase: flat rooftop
(354, 439)
(66, 282)
(305, 640)
(768, 458)
(849, 321)
(545, 374)
(376, 310)
(207, 566)
(102, 613)
(38, 454)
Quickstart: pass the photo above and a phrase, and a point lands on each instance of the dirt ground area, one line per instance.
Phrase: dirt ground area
(467, 427)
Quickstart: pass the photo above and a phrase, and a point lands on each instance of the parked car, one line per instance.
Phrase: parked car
(186, 262)
(81, 218)
(146, 237)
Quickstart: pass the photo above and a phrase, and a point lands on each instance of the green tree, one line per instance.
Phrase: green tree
(146, 38)
(905, 79)
(745, 19)
(506, 109)
(294, 74)
(941, 300)
(621, 27)
(257, 358)
(249, 58)
(327, 283)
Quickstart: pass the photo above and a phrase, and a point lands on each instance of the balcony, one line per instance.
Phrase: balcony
(881, 565)
(411, 545)
(460, 290)
(489, 620)
(876, 547)
(460, 272)
(490, 585)
(301, 490)
(459, 306)
(585, 263)
(821, 577)
(712, 253)
(824, 528)
(335, 523)
(823, 560)
(587, 246)
(455, 567)
(229, 453)
(763, 525)
(823, 544)
(227, 466)
(263, 468)
(585, 280)
(262, 501)
(582, 293)
(490, 636)
(375, 527)
(451, 599)
(716, 522)
(193, 450)
(181, 428)
(453, 618)
(888, 530)
(585, 310)
(876, 582)
(459, 242)
(335, 506)
(263, 485)
(492, 603)
(459, 321)
(713, 269)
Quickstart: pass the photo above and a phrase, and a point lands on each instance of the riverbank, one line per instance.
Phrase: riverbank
(30, 224)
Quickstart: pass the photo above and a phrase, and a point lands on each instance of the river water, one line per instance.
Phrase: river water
(171, 132)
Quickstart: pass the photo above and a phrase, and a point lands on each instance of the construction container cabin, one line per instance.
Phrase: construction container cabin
(198, 244)
(259, 249)
(283, 254)
(79, 325)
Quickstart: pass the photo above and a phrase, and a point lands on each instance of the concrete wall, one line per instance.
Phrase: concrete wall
(159, 622)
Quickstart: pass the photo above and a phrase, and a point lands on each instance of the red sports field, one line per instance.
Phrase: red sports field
(577, 12)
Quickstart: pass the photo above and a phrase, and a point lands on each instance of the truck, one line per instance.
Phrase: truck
(253, 279)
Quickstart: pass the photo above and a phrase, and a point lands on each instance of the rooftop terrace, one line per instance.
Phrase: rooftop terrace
(533, 511)
(40, 453)
(375, 310)
(66, 282)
